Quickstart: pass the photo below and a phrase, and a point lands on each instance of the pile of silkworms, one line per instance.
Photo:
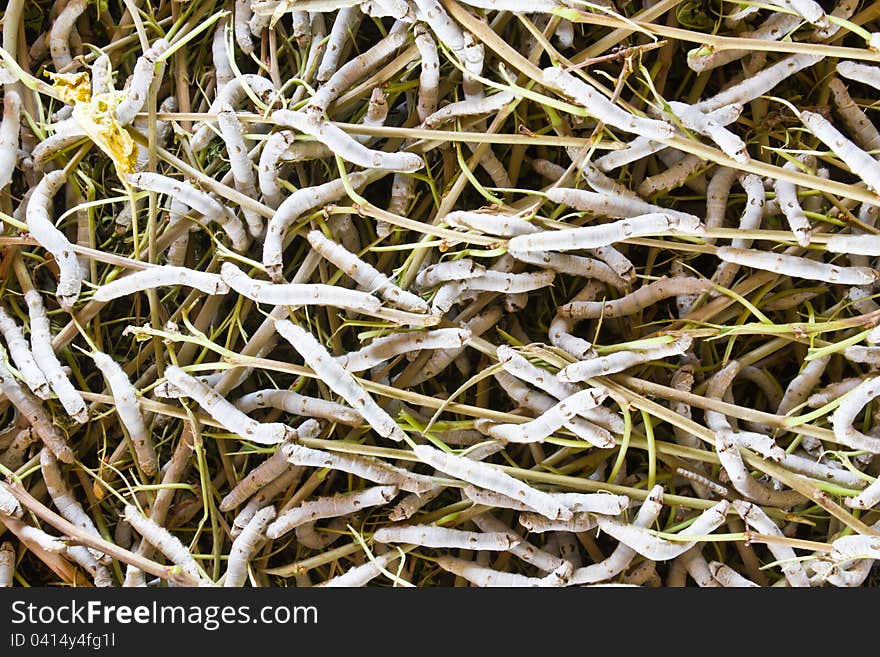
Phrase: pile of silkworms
(439, 293)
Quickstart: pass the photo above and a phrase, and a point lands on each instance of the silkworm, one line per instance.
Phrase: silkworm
(59, 33)
(307, 535)
(638, 148)
(63, 497)
(448, 270)
(386, 348)
(602, 108)
(7, 564)
(9, 505)
(561, 328)
(53, 240)
(854, 119)
(491, 478)
(538, 524)
(30, 408)
(28, 534)
(845, 414)
(487, 577)
(296, 404)
(641, 298)
(44, 355)
(429, 73)
(365, 467)
(432, 536)
(290, 477)
(859, 162)
(345, 25)
(833, 391)
(242, 31)
(863, 73)
(196, 199)
(551, 420)
(789, 563)
(622, 555)
(661, 549)
(161, 276)
(365, 275)
(341, 504)
(798, 267)
(346, 147)
(227, 415)
(489, 223)
(591, 237)
(22, 356)
(468, 107)
(245, 545)
(232, 132)
(276, 148)
(728, 577)
(142, 77)
(338, 379)
(857, 545)
(163, 540)
(291, 209)
(14, 455)
(622, 360)
(356, 68)
(297, 294)
(694, 119)
(675, 175)
(609, 205)
(772, 29)
(358, 576)
(233, 93)
(445, 29)
(757, 442)
(809, 10)
(220, 56)
(861, 354)
(496, 281)
(565, 263)
(799, 388)
(732, 462)
(10, 127)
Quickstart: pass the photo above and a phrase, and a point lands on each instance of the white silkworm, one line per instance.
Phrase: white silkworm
(445, 29)
(9, 505)
(346, 147)
(845, 414)
(854, 119)
(291, 209)
(565, 263)
(161, 276)
(717, 194)
(791, 567)
(551, 420)
(448, 270)
(364, 467)
(538, 524)
(810, 467)
(867, 499)
(612, 205)
(356, 68)
(602, 108)
(22, 356)
(857, 545)
(128, 408)
(59, 33)
(227, 415)
(487, 577)
(861, 354)
(163, 540)
(728, 577)
(521, 548)
(660, 549)
(63, 497)
(622, 360)
(297, 294)
(197, 200)
(365, 275)
(638, 148)
(854, 244)
(429, 75)
(591, 237)
(359, 576)
(296, 404)
(15, 453)
(223, 72)
(275, 148)
(772, 29)
(617, 261)
(232, 132)
(141, 79)
(496, 281)
(644, 297)
(757, 442)
(799, 388)
(386, 348)
(560, 330)
(233, 93)
(7, 564)
(863, 73)
(307, 535)
(290, 477)
(10, 127)
(694, 119)
(28, 534)
(468, 107)
(489, 223)
(751, 219)
(432, 536)
(675, 175)
(732, 462)
(798, 267)
(491, 478)
(859, 162)
(242, 31)
(44, 354)
(622, 555)
(786, 196)
(810, 10)
(341, 504)
(30, 408)
(345, 25)
(338, 379)
(53, 240)
(245, 545)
